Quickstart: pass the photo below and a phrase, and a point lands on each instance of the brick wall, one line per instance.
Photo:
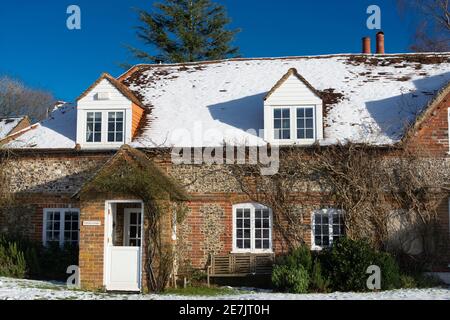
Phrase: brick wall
(432, 136)
(444, 231)
(25, 215)
(92, 244)
(49, 181)
(194, 231)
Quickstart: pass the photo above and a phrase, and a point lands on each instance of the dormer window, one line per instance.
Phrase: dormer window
(293, 112)
(108, 115)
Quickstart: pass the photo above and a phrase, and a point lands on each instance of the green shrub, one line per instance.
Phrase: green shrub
(290, 279)
(347, 261)
(346, 264)
(407, 282)
(292, 271)
(319, 282)
(28, 259)
(427, 281)
(54, 261)
(12, 260)
(390, 271)
(300, 256)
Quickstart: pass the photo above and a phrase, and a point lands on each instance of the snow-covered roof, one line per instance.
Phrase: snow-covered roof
(56, 132)
(7, 125)
(368, 99)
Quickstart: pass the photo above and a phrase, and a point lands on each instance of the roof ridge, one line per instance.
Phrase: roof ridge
(391, 55)
(9, 118)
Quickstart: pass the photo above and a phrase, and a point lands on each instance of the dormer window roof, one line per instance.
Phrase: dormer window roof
(293, 111)
(116, 84)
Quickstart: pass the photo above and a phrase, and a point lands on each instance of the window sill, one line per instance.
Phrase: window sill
(308, 142)
(111, 146)
(252, 252)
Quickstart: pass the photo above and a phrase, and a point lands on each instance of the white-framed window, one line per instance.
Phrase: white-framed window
(327, 227)
(282, 123)
(61, 226)
(105, 127)
(133, 228)
(93, 127)
(305, 123)
(252, 228)
(293, 124)
(115, 126)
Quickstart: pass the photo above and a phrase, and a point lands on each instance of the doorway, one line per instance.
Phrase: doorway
(123, 245)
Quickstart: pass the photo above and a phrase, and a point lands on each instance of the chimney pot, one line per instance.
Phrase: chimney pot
(380, 43)
(366, 49)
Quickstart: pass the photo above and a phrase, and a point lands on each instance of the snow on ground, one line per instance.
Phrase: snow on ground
(13, 289)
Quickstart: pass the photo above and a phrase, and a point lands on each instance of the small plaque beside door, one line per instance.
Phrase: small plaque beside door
(92, 223)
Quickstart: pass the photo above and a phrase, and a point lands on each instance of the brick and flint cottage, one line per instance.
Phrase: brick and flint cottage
(152, 112)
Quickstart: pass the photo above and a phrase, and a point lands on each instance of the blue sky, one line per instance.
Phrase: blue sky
(37, 47)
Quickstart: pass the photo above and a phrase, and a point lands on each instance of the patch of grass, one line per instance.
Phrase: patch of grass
(45, 287)
(202, 291)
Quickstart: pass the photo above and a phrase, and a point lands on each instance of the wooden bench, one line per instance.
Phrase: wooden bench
(240, 265)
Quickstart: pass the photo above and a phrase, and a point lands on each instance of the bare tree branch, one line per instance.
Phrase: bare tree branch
(433, 23)
(18, 100)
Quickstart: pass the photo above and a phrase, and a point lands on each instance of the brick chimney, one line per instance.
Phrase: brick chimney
(366, 45)
(380, 43)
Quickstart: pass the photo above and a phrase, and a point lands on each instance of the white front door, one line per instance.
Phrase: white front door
(124, 257)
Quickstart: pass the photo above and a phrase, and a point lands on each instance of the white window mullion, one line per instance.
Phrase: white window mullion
(61, 227)
(252, 229)
(315, 123)
(330, 226)
(293, 123)
(104, 127)
(271, 228)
